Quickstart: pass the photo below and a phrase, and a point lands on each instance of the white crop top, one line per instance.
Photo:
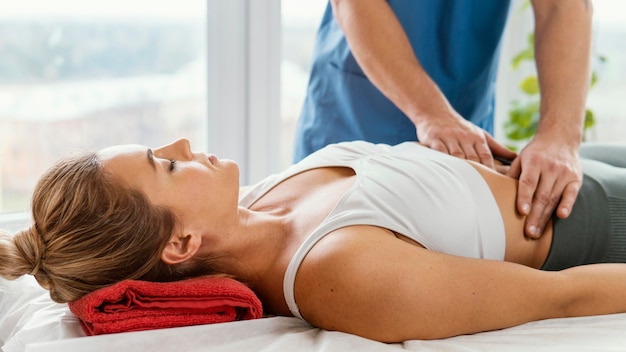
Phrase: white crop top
(437, 200)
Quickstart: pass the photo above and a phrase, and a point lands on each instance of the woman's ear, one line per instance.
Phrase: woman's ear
(180, 248)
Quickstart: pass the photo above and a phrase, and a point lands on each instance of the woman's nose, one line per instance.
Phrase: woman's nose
(180, 149)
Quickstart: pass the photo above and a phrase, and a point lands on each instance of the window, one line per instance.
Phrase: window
(300, 20)
(83, 75)
(87, 74)
(605, 98)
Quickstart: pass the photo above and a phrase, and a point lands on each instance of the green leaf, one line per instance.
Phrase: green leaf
(594, 79)
(518, 115)
(527, 54)
(590, 119)
(520, 134)
(530, 85)
(523, 121)
(525, 5)
(531, 40)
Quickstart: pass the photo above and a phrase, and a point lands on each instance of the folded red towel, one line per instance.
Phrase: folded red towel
(133, 305)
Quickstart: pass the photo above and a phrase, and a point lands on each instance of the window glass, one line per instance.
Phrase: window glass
(300, 20)
(84, 74)
(606, 98)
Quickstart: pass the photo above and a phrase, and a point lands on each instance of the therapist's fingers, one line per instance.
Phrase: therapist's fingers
(526, 186)
(551, 191)
(475, 147)
(467, 149)
(498, 149)
(549, 175)
(437, 145)
(484, 154)
(542, 187)
(457, 137)
(455, 149)
(545, 199)
(568, 198)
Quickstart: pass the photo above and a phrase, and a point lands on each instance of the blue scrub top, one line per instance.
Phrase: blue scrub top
(456, 41)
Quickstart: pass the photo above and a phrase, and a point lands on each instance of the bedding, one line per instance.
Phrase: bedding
(30, 321)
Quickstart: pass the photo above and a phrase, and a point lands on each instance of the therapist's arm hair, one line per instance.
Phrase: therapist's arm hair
(382, 49)
(548, 167)
(562, 54)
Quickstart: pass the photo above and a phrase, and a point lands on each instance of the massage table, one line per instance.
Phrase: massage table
(31, 321)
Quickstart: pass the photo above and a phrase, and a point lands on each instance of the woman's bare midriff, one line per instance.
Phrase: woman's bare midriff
(519, 248)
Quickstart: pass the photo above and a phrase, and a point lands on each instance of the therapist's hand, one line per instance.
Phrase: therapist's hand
(550, 176)
(458, 137)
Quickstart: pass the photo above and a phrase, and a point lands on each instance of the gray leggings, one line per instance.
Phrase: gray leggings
(595, 231)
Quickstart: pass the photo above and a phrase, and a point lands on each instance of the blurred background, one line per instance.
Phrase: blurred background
(228, 75)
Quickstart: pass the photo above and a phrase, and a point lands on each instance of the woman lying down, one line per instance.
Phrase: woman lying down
(391, 243)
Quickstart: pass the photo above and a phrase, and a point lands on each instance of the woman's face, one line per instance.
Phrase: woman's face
(199, 188)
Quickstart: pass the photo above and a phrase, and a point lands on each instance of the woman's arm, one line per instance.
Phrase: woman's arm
(360, 281)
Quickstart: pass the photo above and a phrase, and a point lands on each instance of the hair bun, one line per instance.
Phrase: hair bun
(32, 248)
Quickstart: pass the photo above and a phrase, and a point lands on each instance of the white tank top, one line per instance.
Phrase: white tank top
(435, 199)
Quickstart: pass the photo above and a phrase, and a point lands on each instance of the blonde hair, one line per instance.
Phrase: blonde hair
(88, 232)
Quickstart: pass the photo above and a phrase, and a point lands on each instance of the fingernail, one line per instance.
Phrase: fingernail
(564, 211)
(525, 208)
(533, 230)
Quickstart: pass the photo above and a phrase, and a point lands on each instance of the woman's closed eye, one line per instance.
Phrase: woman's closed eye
(172, 165)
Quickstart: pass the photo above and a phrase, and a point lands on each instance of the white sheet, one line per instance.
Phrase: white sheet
(29, 321)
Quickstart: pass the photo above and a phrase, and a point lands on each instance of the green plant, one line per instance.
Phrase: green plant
(523, 118)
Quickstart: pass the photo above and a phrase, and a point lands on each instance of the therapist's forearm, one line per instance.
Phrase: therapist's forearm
(382, 49)
(562, 54)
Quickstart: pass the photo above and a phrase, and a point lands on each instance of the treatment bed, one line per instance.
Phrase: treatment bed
(30, 321)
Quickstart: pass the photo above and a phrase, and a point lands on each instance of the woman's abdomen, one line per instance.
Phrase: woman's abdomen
(519, 248)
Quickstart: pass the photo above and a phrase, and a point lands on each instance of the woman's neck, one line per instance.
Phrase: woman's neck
(256, 244)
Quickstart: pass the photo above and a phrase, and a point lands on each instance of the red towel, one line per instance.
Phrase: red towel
(140, 305)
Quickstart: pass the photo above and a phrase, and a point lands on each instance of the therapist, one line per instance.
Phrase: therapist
(393, 71)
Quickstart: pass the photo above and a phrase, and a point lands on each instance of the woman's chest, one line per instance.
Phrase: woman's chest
(308, 197)
(305, 199)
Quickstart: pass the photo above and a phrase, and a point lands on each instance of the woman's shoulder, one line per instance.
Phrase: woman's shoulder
(351, 280)
(342, 256)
